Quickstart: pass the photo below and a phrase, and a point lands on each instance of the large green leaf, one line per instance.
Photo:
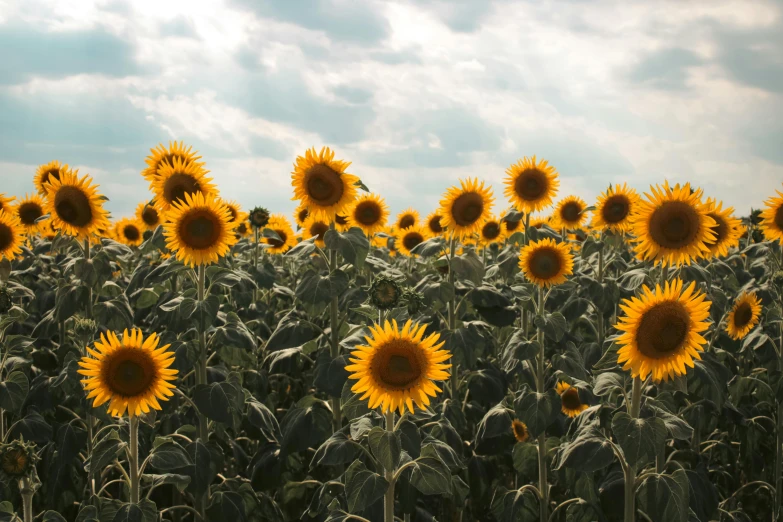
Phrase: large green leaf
(664, 498)
(639, 438)
(363, 487)
(537, 410)
(385, 446)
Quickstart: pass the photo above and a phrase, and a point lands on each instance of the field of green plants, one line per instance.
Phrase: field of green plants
(514, 356)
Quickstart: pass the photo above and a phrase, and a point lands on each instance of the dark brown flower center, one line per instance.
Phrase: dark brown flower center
(340, 220)
(324, 185)
(779, 217)
(177, 185)
(367, 213)
(14, 461)
(570, 212)
(743, 314)
(545, 263)
(663, 330)
(570, 399)
(242, 228)
(302, 215)
(491, 230)
(435, 225)
(531, 185)
(149, 215)
(467, 208)
(411, 239)
(73, 206)
(615, 209)
(200, 229)
(674, 225)
(511, 226)
(49, 175)
(318, 229)
(277, 243)
(520, 431)
(406, 221)
(131, 232)
(721, 230)
(232, 212)
(6, 237)
(397, 365)
(128, 372)
(29, 212)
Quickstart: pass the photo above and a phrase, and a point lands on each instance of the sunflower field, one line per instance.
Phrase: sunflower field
(553, 361)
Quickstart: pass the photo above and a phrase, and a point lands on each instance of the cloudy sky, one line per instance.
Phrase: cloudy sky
(415, 93)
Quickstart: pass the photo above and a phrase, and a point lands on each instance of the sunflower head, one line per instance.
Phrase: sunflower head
(570, 213)
(728, 230)
(433, 224)
(285, 233)
(341, 223)
(147, 215)
(407, 239)
(744, 316)
(322, 185)
(546, 262)
(160, 155)
(398, 367)
(6, 300)
(520, 431)
(28, 210)
(130, 374)
(662, 330)
(509, 225)
(177, 179)
(614, 208)
(300, 216)
(414, 301)
(18, 459)
(368, 212)
(47, 173)
(672, 226)
(259, 217)
(531, 185)
(491, 232)
(84, 328)
(406, 219)
(235, 212)
(129, 231)
(11, 235)
(243, 230)
(315, 228)
(198, 230)
(569, 399)
(466, 208)
(75, 206)
(772, 218)
(385, 293)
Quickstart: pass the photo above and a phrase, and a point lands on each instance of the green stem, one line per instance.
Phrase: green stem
(601, 325)
(779, 441)
(543, 486)
(630, 471)
(257, 234)
(88, 312)
(527, 227)
(337, 417)
(452, 311)
(27, 491)
(201, 370)
(388, 499)
(133, 460)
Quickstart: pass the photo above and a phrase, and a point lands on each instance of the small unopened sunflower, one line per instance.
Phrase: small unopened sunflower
(129, 231)
(728, 229)
(466, 208)
(17, 459)
(406, 219)
(148, 216)
(772, 218)
(47, 173)
(614, 208)
(198, 229)
(282, 227)
(75, 206)
(520, 430)
(385, 293)
(571, 405)
(258, 217)
(662, 330)
(161, 155)
(315, 228)
(12, 235)
(131, 374)
(368, 212)
(398, 367)
(28, 210)
(409, 238)
(491, 232)
(322, 185)
(672, 226)
(546, 262)
(744, 316)
(531, 186)
(175, 180)
(433, 224)
(570, 213)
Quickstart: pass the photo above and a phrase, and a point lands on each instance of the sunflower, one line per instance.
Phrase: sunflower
(176, 180)
(129, 231)
(407, 219)
(539, 221)
(282, 227)
(75, 206)
(672, 226)
(243, 230)
(236, 215)
(662, 330)
(509, 227)
(744, 316)
(300, 215)
(531, 186)
(772, 218)
(160, 156)
(130, 374)
(491, 232)
(322, 185)
(198, 229)
(5, 203)
(728, 229)
(28, 210)
(315, 228)
(148, 216)
(546, 262)
(49, 232)
(520, 431)
(368, 212)
(466, 208)
(569, 399)
(407, 239)
(614, 208)
(341, 223)
(46, 173)
(570, 213)
(397, 368)
(433, 223)
(11, 235)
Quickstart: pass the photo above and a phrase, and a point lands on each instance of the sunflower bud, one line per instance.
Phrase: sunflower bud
(385, 293)
(5, 300)
(84, 328)
(17, 459)
(414, 301)
(259, 217)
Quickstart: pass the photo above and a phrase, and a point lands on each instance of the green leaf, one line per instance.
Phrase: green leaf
(336, 450)
(33, 428)
(538, 410)
(291, 332)
(330, 375)
(147, 298)
(226, 505)
(315, 288)
(353, 245)
(303, 248)
(639, 438)
(469, 267)
(607, 382)
(206, 462)
(52, 516)
(678, 427)
(169, 456)
(307, 425)
(386, 447)
(587, 453)
(664, 498)
(363, 487)
(179, 481)
(13, 391)
(219, 400)
(570, 362)
(105, 452)
(129, 513)
(353, 406)
(554, 325)
(435, 448)
(430, 247)
(431, 476)
(525, 459)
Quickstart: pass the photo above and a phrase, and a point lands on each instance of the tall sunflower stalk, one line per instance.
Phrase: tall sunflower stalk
(630, 469)
(452, 316)
(543, 486)
(334, 351)
(389, 475)
(201, 369)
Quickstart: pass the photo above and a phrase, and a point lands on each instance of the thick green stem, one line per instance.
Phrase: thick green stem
(88, 311)
(133, 459)
(779, 442)
(388, 499)
(527, 227)
(543, 486)
(337, 416)
(630, 471)
(452, 311)
(201, 370)
(27, 491)
(257, 234)
(600, 313)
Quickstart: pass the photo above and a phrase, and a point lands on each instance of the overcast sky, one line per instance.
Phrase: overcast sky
(415, 93)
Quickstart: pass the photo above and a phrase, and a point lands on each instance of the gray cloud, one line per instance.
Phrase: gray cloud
(665, 69)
